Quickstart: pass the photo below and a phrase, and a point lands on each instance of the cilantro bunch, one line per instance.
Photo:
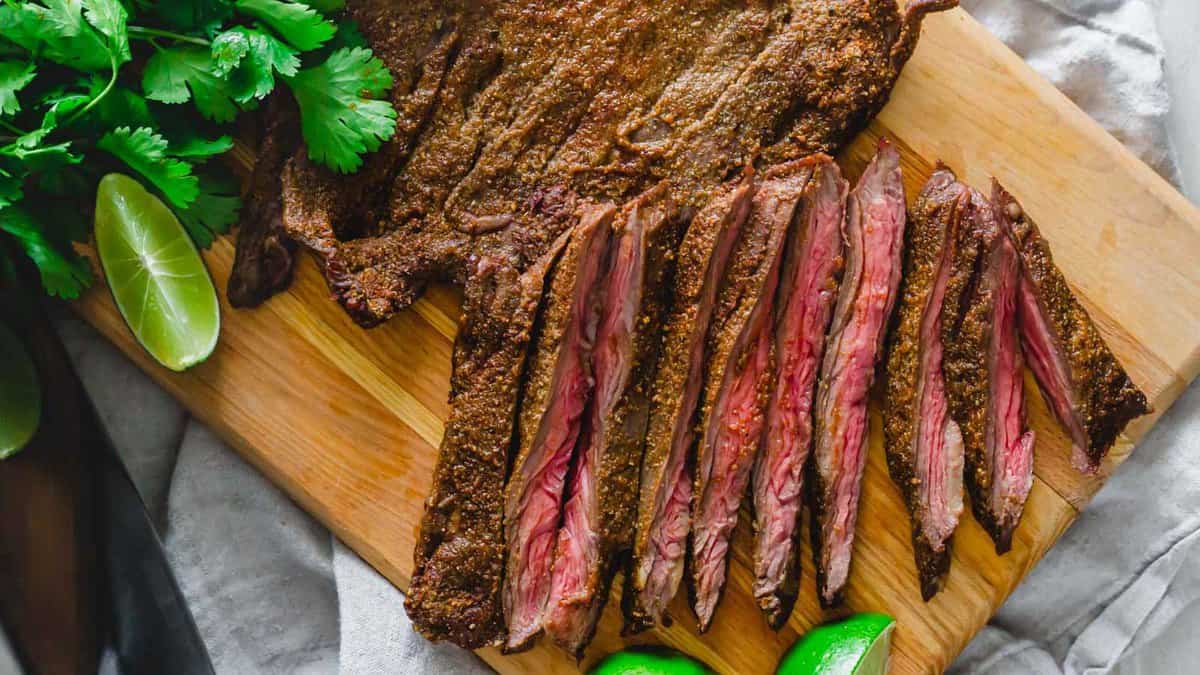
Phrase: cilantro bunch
(92, 86)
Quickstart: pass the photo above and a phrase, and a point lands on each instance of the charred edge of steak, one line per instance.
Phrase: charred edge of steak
(742, 354)
(1081, 380)
(875, 218)
(983, 371)
(924, 446)
(599, 514)
(265, 254)
(663, 518)
(811, 273)
(459, 557)
(557, 390)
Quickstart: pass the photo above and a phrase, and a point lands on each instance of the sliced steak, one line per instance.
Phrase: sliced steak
(812, 269)
(557, 390)
(458, 560)
(924, 446)
(1084, 385)
(984, 370)
(602, 495)
(740, 357)
(663, 516)
(875, 220)
(508, 110)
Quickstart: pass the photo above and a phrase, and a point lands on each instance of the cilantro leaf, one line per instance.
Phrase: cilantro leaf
(339, 116)
(120, 107)
(171, 73)
(63, 273)
(109, 17)
(214, 211)
(10, 189)
(250, 57)
(146, 152)
(196, 147)
(300, 25)
(13, 77)
(58, 32)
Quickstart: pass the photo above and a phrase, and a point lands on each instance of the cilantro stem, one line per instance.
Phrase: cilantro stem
(112, 81)
(147, 33)
(11, 127)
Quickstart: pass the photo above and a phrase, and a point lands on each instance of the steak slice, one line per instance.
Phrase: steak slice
(458, 560)
(508, 111)
(665, 491)
(557, 390)
(875, 220)
(1084, 385)
(602, 493)
(265, 254)
(924, 446)
(740, 356)
(983, 370)
(812, 269)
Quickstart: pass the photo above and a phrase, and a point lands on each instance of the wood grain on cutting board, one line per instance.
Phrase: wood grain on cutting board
(348, 420)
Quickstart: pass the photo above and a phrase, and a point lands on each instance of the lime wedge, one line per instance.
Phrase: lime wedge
(857, 646)
(156, 275)
(20, 395)
(649, 661)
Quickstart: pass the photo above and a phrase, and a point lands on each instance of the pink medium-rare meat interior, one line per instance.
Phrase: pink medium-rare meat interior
(808, 289)
(662, 567)
(875, 240)
(735, 427)
(545, 471)
(1043, 350)
(1009, 447)
(939, 443)
(570, 611)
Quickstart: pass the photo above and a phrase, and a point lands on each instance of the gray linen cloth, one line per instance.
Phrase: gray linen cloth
(273, 592)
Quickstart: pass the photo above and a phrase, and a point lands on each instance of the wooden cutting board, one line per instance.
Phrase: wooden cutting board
(348, 421)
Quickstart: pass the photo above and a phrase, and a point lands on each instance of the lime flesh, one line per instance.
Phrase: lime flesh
(649, 661)
(20, 395)
(857, 646)
(156, 275)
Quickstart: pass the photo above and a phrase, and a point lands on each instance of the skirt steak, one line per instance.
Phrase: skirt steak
(510, 114)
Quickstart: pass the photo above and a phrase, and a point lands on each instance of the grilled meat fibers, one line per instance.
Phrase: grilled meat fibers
(496, 101)
(506, 110)
(455, 590)
(874, 242)
(924, 446)
(557, 390)
(740, 356)
(984, 371)
(663, 517)
(812, 269)
(1082, 382)
(602, 495)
